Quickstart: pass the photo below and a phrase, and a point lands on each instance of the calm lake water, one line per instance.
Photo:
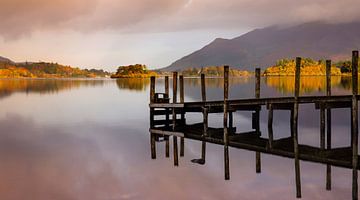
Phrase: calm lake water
(89, 139)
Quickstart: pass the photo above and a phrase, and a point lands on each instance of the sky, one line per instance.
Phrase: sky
(108, 33)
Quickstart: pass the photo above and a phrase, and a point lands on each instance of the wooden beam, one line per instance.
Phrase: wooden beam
(167, 118)
(295, 128)
(328, 122)
(175, 146)
(205, 118)
(257, 113)
(152, 99)
(182, 141)
(270, 125)
(226, 134)
(354, 111)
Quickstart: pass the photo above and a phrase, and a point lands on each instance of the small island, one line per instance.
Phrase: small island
(133, 71)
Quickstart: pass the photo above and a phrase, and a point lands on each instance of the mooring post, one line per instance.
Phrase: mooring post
(270, 127)
(205, 119)
(295, 128)
(167, 119)
(182, 141)
(257, 115)
(152, 100)
(176, 158)
(226, 134)
(328, 123)
(354, 131)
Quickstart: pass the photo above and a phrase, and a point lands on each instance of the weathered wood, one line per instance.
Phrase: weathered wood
(322, 128)
(166, 132)
(354, 111)
(257, 113)
(295, 128)
(152, 136)
(167, 118)
(270, 125)
(328, 123)
(205, 118)
(226, 135)
(175, 146)
(231, 119)
(182, 141)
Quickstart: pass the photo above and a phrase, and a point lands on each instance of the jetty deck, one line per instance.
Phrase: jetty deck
(168, 119)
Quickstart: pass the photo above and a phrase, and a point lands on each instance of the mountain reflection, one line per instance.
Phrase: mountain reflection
(42, 86)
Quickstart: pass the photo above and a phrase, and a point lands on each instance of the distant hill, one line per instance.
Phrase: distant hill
(10, 69)
(263, 47)
(211, 71)
(6, 60)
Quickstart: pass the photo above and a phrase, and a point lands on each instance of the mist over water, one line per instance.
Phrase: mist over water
(88, 139)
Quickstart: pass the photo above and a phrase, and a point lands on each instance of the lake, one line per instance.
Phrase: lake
(88, 139)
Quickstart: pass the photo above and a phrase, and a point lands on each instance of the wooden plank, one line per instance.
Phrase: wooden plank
(168, 133)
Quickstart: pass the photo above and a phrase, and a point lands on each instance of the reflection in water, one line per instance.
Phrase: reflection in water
(216, 82)
(138, 84)
(308, 84)
(92, 143)
(43, 86)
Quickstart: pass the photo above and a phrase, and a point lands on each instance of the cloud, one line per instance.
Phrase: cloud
(22, 17)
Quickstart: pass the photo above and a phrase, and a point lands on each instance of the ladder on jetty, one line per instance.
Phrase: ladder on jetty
(174, 125)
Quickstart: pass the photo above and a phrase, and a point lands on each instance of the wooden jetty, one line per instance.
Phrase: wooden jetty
(173, 124)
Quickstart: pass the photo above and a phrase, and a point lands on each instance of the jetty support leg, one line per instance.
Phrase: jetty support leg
(152, 100)
(167, 118)
(182, 140)
(295, 128)
(354, 131)
(257, 95)
(226, 134)
(175, 144)
(328, 123)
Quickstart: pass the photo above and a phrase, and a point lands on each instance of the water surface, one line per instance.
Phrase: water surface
(88, 139)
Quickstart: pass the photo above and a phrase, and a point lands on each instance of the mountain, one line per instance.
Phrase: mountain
(6, 60)
(263, 47)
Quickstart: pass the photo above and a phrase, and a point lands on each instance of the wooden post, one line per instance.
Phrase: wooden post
(182, 141)
(257, 113)
(205, 118)
(354, 131)
(152, 100)
(295, 128)
(167, 118)
(328, 122)
(176, 158)
(226, 134)
(270, 127)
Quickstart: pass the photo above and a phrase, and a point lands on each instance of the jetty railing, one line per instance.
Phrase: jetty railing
(172, 126)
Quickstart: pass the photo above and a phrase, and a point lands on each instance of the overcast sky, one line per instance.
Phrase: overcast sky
(109, 33)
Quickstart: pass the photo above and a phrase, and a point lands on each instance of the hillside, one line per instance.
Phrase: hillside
(213, 71)
(46, 70)
(263, 47)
